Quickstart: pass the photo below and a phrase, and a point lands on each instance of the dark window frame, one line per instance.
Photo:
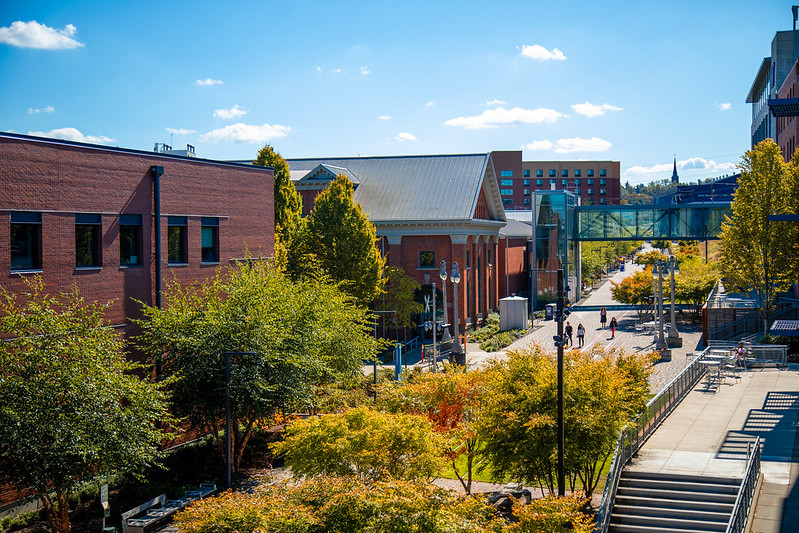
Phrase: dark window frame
(209, 251)
(88, 240)
(427, 259)
(130, 240)
(177, 228)
(25, 226)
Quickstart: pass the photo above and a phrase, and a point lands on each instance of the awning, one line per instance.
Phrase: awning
(784, 107)
(785, 328)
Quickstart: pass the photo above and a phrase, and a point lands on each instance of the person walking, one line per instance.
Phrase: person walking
(603, 317)
(568, 331)
(613, 326)
(580, 335)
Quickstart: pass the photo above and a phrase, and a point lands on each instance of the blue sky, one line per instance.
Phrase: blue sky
(635, 82)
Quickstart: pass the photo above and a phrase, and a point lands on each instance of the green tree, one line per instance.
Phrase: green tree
(695, 281)
(651, 257)
(399, 295)
(71, 406)
(361, 442)
(552, 515)
(300, 334)
(339, 241)
(517, 424)
(451, 401)
(760, 256)
(288, 203)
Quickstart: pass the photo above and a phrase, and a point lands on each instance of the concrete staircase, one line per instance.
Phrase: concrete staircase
(652, 502)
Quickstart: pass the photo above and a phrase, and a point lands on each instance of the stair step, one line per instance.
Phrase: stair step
(628, 528)
(645, 502)
(688, 486)
(635, 474)
(668, 523)
(682, 495)
(670, 512)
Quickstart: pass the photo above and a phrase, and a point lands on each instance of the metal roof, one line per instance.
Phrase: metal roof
(516, 229)
(414, 188)
(760, 79)
(787, 328)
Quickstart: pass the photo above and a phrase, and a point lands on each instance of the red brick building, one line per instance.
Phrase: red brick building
(84, 215)
(426, 209)
(595, 182)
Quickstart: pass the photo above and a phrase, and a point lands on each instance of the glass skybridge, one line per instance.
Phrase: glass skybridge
(646, 222)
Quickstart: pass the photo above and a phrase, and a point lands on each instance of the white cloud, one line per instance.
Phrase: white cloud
(592, 110)
(338, 71)
(180, 131)
(209, 81)
(34, 35)
(245, 132)
(365, 71)
(431, 103)
(72, 134)
(493, 118)
(45, 109)
(496, 102)
(539, 53)
(578, 144)
(539, 145)
(725, 106)
(318, 69)
(692, 163)
(384, 117)
(405, 136)
(227, 114)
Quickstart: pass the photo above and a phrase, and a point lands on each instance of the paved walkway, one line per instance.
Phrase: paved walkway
(708, 434)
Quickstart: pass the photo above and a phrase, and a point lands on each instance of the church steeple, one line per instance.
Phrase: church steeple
(675, 178)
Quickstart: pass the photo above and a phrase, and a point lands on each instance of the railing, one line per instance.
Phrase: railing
(743, 503)
(641, 428)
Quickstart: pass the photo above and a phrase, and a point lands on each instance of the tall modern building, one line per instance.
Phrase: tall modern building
(768, 80)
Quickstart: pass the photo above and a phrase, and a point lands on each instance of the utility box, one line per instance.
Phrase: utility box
(512, 313)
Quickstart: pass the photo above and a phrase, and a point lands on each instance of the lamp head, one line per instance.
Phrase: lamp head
(456, 274)
(655, 270)
(442, 273)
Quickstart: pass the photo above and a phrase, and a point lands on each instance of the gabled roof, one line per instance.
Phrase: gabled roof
(321, 174)
(412, 188)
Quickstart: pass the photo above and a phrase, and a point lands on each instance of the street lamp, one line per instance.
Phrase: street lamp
(674, 335)
(658, 269)
(442, 273)
(455, 276)
(228, 442)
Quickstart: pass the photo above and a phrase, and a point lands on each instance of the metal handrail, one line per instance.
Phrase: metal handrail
(743, 503)
(640, 428)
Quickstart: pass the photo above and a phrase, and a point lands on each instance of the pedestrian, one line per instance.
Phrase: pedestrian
(580, 335)
(568, 331)
(603, 317)
(613, 325)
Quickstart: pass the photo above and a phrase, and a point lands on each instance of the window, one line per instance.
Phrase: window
(564, 173)
(177, 240)
(603, 191)
(552, 182)
(26, 241)
(539, 183)
(526, 201)
(130, 240)
(603, 172)
(564, 183)
(539, 173)
(506, 173)
(527, 173)
(590, 181)
(210, 239)
(577, 182)
(577, 172)
(590, 191)
(603, 181)
(527, 192)
(468, 259)
(506, 192)
(87, 240)
(427, 259)
(526, 183)
(551, 172)
(590, 172)
(506, 183)
(507, 201)
(603, 201)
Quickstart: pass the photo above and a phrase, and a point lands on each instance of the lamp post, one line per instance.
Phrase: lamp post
(658, 269)
(435, 361)
(228, 441)
(674, 335)
(455, 276)
(442, 273)
(559, 341)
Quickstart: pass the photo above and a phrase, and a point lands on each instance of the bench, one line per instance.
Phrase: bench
(154, 513)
